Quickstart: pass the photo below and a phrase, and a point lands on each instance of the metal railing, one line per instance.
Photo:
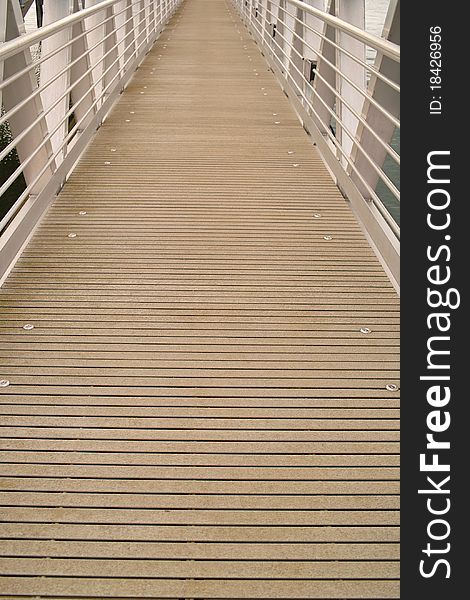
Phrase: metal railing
(57, 85)
(344, 85)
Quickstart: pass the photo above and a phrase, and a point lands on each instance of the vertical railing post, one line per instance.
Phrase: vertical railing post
(129, 34)
(158, 14)
(120, 19)
(110, 50)
(269, 25)
(315, 23)
(147, 21)
(140, 25)
(152, 21)
(3, 36)
(323, 97)
(311, 49)
(21, 89)
(297, 52)
(353, 12)
(266, 21)
(280, 29)
(80, 76)
(386, 97)
(289, 38)
(55, 10)
(94, 40)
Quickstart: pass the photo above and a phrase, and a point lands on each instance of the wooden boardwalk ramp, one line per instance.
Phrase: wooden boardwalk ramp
(195, 412)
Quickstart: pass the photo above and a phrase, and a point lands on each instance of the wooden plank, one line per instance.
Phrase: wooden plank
(238, 435)
(279, 414)
(184, 501)
(224, 460)
(176, 588)
(200, 550)
(207, 533)
(228, 383)
(375, 401)
(153, 376)
(198, 423)
(202, 392)
(195, 447)
(181, 486)
(193, 517)
(157, 569)
(31, 359)
(321, 351)
(214, 473)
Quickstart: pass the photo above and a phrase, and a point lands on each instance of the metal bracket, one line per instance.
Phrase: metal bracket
(309, 68)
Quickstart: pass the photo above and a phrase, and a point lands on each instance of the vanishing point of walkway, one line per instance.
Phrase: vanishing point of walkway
(195, 412)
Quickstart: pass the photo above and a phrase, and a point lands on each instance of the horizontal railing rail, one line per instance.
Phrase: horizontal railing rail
(57, 84)
(12, 47)
(344, 84)
(385, 47)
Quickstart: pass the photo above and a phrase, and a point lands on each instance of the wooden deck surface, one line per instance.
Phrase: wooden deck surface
(196, 413)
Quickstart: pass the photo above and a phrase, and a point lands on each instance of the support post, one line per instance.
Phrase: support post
(110, 50)
(80, 49)
(12, 26)
(326, 73)
(352, 11)
(54, 11)
(386, 97)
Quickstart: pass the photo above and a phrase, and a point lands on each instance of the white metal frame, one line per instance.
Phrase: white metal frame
(88, 56)
(86, 59)
(362, 99)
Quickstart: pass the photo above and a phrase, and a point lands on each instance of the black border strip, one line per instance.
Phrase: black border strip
(422, 247)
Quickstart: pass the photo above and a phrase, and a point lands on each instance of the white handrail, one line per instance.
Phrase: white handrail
(12, 47)
(102, 55)
(384, 46)
(34, 65)
(352, 118)
(343, 75)
(329, 90)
